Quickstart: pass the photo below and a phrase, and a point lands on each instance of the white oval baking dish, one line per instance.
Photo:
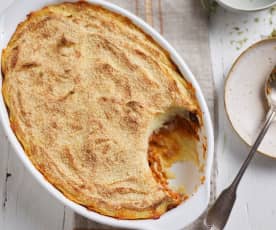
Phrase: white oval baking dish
(174, 219)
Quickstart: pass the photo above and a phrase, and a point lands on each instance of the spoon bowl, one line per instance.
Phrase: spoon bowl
(270, 89)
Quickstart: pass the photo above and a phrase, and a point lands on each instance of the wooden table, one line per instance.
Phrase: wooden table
(26, 206)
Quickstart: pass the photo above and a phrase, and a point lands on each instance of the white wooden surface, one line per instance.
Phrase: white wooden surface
(255, 209)
(26, 206)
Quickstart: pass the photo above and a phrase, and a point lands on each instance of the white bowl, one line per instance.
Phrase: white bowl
(176, 218)
(246, 5)
(245, 102)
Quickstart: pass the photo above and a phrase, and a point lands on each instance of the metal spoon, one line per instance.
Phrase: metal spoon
(219, 212)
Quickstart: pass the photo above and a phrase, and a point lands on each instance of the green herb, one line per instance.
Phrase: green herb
(236, 28)
(273, 33)
(213, 7)
(242, 41)
(256, 20)
(272, 10)
(239, 43)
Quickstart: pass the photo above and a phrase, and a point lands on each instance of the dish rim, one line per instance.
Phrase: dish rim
(225, 89)
(185, 71)
(238, 9)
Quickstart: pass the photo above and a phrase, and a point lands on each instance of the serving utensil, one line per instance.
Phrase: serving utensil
(217, 216)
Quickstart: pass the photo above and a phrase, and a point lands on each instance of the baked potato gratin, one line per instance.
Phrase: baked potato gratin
(100, 109)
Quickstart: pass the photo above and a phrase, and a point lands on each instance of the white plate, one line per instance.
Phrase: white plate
(245, 101)
(176, 218)
(246, 5)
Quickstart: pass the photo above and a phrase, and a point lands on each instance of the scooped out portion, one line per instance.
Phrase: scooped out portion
(174, 142)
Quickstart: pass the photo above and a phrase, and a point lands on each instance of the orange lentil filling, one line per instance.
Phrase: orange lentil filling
(165, 150)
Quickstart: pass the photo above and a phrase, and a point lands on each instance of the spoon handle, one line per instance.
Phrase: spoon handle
(219, 213)
(270, 117)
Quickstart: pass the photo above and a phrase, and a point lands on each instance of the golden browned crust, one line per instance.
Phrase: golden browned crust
(85, 88)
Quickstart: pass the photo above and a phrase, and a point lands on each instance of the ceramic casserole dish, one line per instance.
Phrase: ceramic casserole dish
(176, 218)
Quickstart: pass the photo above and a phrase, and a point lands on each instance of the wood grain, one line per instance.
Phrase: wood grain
(231, 33)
